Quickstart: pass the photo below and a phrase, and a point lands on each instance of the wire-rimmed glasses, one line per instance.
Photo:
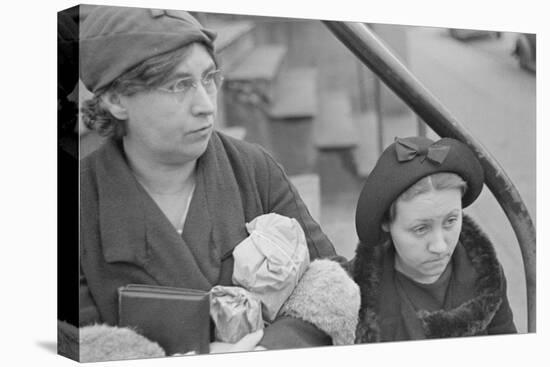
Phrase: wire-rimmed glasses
(211, 83)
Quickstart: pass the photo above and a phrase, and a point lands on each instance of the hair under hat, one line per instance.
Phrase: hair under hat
(400, 166)
(115, 39)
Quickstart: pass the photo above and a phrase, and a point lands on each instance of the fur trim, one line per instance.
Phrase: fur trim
(102, 342)
(473, 316)
(367, 269)
(319, 299)
(67, 340)
(467, 319)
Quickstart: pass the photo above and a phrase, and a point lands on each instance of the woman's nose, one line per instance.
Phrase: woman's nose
(438, 244)
(202, 102)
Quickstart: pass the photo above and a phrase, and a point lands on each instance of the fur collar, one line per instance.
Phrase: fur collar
(469, 318)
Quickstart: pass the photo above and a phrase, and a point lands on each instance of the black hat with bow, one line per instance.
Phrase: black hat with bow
(401, 165)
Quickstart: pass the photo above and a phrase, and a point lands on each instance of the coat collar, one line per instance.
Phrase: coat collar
(468, 318)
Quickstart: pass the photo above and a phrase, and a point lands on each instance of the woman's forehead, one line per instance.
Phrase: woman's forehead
(432, 204)
(195, 62)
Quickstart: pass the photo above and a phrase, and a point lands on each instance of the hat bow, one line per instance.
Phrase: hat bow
(406, 151)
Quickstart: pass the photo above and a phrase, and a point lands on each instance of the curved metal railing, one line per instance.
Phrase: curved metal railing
(375, 55)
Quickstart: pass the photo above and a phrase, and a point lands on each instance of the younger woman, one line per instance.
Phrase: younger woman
(424, 269)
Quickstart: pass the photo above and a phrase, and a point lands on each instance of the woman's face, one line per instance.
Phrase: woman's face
(425, 232)
(173, 128)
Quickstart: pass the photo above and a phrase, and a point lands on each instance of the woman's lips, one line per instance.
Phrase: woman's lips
(436, 261)
(202, 130)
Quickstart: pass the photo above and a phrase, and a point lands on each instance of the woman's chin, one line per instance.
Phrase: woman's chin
(189, 153)
(434, 271)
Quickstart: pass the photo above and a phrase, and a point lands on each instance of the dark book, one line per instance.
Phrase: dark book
(178, 319)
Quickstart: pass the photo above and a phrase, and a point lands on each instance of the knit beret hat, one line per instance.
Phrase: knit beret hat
(400, 166)
(115, 39)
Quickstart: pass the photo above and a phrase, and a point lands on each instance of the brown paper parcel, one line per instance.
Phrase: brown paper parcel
(235, 313)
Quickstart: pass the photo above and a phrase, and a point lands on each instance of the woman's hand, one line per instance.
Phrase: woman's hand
(248, 343)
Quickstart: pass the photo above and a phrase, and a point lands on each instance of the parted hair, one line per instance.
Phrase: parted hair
(435, 182)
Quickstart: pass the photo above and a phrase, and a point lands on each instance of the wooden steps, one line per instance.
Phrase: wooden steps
(296, 94)
(229, 32)
(368, 150)
(237, 132)
(262, 63)
(249, 87)
(291, 115)
(400, 124)
(335, 127)
(234, 41)
(309, 188)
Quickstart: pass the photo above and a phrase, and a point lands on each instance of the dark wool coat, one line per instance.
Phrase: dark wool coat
(476, 302)
(125, 238)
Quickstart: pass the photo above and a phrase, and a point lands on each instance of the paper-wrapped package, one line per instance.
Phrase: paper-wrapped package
(271, 260)
(235, 313)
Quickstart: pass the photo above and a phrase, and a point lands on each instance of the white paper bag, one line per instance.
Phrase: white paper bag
(270, 262)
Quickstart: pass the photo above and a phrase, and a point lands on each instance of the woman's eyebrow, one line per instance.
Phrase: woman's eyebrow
(418, 221)
(453, 212)
(181, 74)
(186, 74)
(423, 220)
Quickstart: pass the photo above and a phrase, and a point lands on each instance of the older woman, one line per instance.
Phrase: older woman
(165, 200)
(424, 269)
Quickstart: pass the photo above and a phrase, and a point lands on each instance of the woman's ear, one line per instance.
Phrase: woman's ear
(115, 106)
(385, 227)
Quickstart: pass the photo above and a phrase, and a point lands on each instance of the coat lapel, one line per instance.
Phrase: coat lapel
(121, 214)
(197, 233)
(221, 204)
(134, 229)
(171, 260)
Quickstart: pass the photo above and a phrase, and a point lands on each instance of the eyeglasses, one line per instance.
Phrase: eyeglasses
(211, 82)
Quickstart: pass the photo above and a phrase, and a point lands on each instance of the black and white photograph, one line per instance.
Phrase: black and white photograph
(233, 185)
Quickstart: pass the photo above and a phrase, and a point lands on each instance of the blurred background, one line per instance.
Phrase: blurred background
(292, 87)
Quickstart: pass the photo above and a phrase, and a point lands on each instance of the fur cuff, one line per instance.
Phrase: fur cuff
(67, 340)
(328, 298)
(104, 343)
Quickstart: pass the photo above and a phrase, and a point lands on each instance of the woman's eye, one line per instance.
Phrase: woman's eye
(420, 229)
(451, 221)
(182, 85)
(209, 79)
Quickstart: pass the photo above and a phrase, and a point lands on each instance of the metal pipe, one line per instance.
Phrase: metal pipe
(421, 127)
(378, 113)
(374, 54)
